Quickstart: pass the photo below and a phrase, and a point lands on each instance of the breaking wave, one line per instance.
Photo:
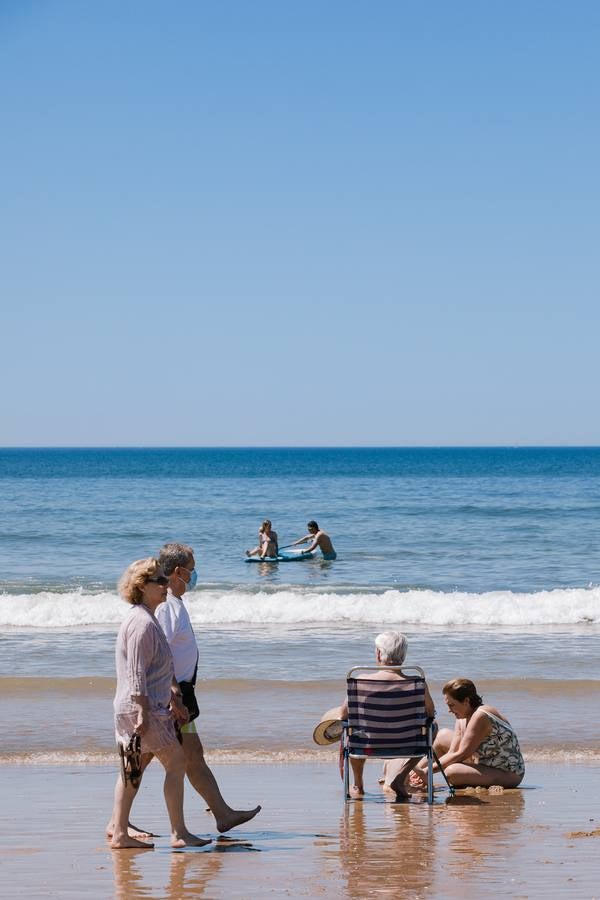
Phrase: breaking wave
(293, 606)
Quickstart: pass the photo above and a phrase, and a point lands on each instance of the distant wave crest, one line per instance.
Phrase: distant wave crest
(294, 606)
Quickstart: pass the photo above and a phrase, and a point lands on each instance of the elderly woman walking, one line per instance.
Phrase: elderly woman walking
(146, 701)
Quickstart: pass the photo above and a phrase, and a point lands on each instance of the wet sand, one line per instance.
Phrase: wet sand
(539, 841)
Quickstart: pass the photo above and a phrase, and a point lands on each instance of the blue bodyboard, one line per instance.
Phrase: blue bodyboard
(294, 556)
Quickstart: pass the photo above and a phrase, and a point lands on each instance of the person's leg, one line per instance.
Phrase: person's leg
(173, 760)
(118, 829)
(132, 830)
(396, 773)
(442, 741)
(204, 783)
(441, 745)
(467, 775)
(357, 789)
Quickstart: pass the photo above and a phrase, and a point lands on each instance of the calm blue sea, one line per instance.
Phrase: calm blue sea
(488, 559)
(476, 520)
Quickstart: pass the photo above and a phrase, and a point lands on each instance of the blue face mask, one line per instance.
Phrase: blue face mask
(193, 580)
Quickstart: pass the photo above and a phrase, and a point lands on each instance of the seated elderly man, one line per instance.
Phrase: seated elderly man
(390, 650)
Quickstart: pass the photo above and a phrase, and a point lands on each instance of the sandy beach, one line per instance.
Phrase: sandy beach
(538, 841)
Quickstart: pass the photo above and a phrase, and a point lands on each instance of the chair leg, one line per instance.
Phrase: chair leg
(346, 755)
(440, 767)
(346, 775)
(430, 775)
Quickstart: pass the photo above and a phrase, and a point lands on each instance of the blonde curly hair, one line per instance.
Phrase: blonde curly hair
(135, 576)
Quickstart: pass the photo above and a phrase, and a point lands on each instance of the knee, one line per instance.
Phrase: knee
(174, 761)
(177, 768)
(443, 740)
(453, 774)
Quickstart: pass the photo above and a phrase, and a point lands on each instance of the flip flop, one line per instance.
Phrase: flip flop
(131, 761)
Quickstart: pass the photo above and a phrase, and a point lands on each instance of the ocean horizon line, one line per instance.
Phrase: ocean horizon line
(173, 447)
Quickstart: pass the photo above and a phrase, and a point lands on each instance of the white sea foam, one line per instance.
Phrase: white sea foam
(301, 606)
(583, 755)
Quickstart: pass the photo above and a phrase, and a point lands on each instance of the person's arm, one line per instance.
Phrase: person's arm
(475, 733)
(429, 706)
(302, 540)
(180, 713)
(314, 544)
(167, 620)
(140, 649)
(141, 701)
(421, 768)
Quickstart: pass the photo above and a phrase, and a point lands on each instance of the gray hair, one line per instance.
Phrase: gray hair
(393, 646)
(173, 555)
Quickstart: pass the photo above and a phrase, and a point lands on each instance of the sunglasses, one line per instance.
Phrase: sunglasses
(158, 579)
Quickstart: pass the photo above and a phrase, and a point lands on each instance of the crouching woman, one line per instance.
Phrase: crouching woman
(484, 749)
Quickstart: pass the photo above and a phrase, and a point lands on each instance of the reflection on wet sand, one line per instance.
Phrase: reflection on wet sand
(484, 829)
(388, 849)
(397, 849)
(191, 872)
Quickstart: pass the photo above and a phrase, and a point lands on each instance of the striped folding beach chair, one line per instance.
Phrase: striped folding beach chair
(387, 720)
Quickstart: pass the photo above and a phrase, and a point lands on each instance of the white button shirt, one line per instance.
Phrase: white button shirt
(174, 620)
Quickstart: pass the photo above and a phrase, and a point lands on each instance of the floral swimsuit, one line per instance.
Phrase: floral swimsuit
(500, 750)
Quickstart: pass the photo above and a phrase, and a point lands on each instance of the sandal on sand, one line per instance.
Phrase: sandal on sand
(131, 761)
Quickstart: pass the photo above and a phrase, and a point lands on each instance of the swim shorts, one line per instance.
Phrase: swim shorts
(189, 728)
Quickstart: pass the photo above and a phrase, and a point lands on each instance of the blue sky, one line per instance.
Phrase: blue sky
(303, 223)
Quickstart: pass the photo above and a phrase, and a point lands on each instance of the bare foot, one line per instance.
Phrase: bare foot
(398, 786)
(417, 785)
(136, 832)
(236, 817)
(187, 839)
(132, 831)
(124, 842)
(357, 792)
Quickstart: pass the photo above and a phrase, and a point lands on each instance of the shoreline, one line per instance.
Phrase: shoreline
(291, 757)
(538, 840)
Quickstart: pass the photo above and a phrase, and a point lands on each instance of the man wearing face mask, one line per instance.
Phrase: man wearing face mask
(178, 564)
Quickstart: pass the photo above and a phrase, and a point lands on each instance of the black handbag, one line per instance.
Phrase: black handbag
(188, 696)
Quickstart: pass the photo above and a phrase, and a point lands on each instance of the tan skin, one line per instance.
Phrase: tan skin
(396, 771)
(267, 542)
(472, 728)
(318, 539)
(171, 757)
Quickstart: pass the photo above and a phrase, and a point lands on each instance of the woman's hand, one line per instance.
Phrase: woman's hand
(417, 778)
(179, 711)
(142, 722)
